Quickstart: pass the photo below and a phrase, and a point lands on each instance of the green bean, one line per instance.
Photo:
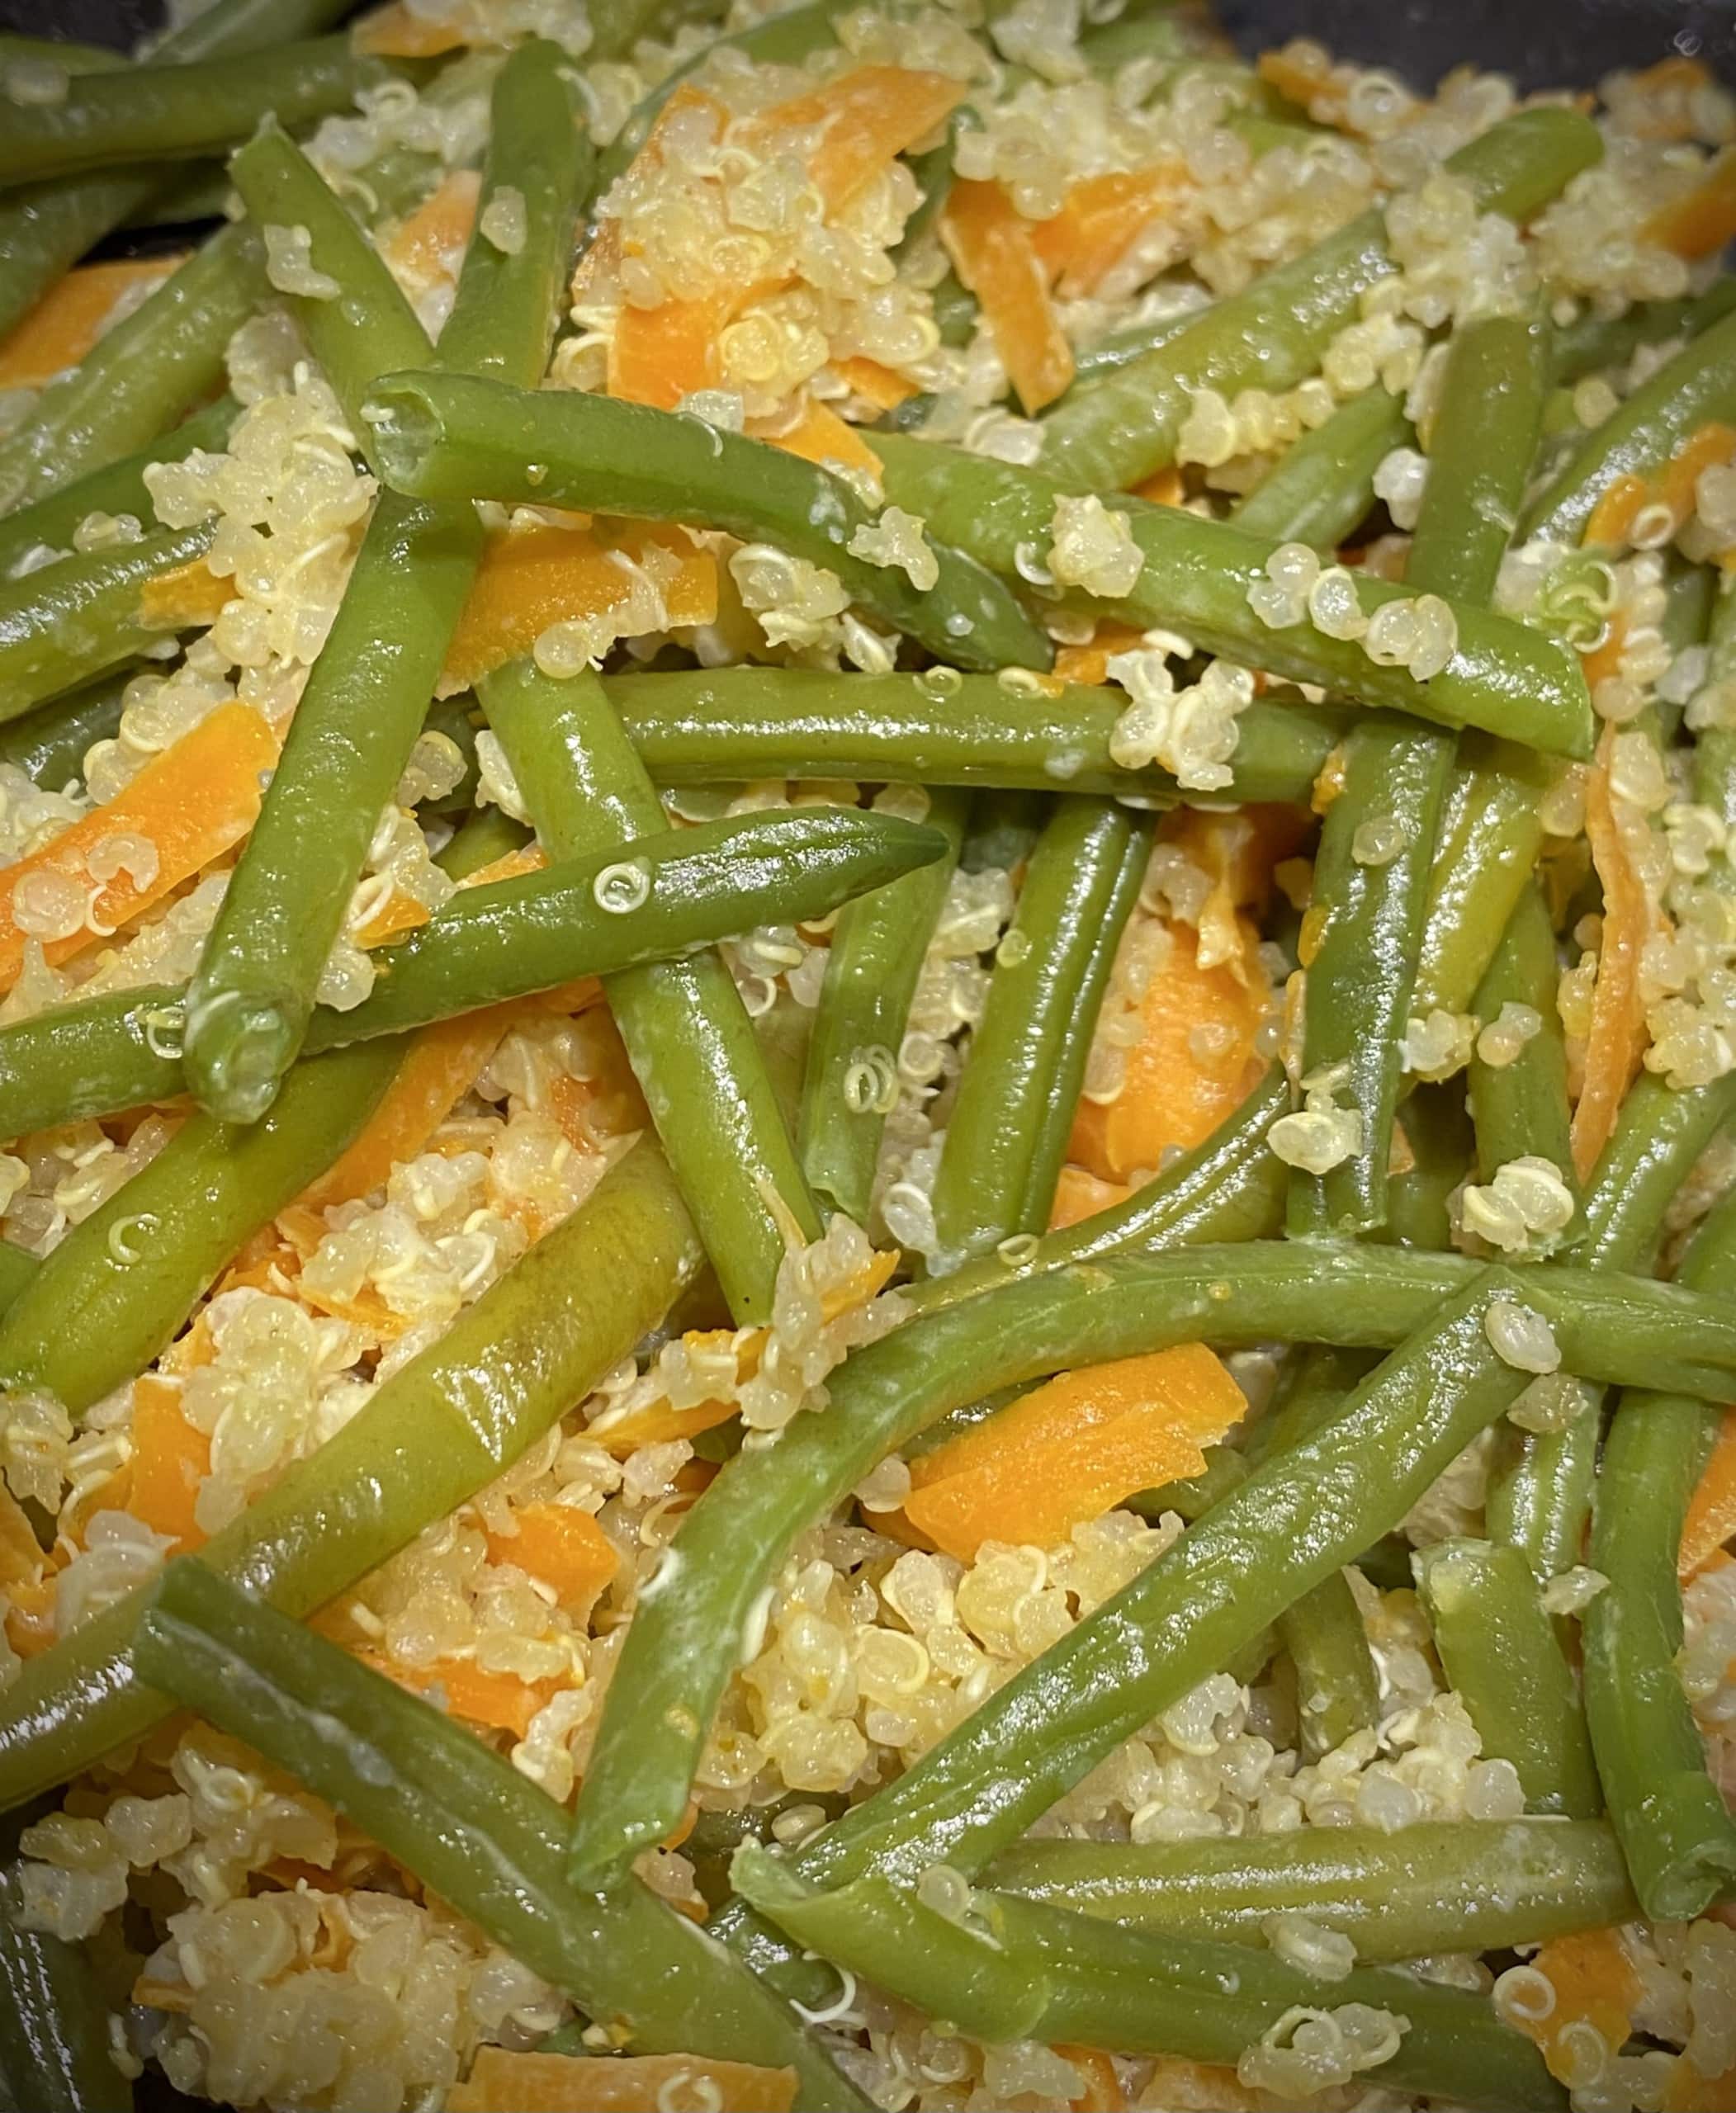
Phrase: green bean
(1594, 341)
(368, 325)
(1120, 348)
(1165, 33)
(489, 834)
(1438, 1133)
(200, 193)
(784, 39)
(1501, 1658)
(1196, 580)
(453, 437)
(155, 113)
(443, 1427)
(46, 228)
(70, 57)
(1190, 1498)
(1322, 487)
(1003, 827)
(1490, 837)
(117, 488)
(50, 745)
(687, 1031)
(684, 1640)
(878, 946)
(934, 174)
(695, 726)
(1442, 1886)
(503, 317)
(1481, 449)
(17, 1272)
(1696, 388)
(1338, 1687)
(1273, 334)
(468, 1825)
(55, 2054)
(1365, 924)
(1713, 763)
(509, 939)
(1006, 1136)
(142, 375)
(1679, 1841)
(119, 1286)
(1520, 1107)
(63, 626)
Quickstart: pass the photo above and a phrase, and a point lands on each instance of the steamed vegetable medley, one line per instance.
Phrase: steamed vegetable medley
(869, 1023)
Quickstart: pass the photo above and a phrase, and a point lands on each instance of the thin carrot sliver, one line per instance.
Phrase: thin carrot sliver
(1616, 1044)
(1711, 1517)
(427, 245)
(820, 436)
(67, 320)
(1099, 221)
(565, 1549)
(196, 802)
(993, 251)
(1671, 484)
(1702, 219)
(870, 115)
(170, 1460)
(504, 2082)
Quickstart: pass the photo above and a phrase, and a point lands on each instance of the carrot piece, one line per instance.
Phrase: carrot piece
(1702, 219)
(1090, 663)
(427, 246)
(67, 321)
(504, 2082)
(658, 1421)
(170, 1460)
(530, 578)
(878, 384)
(1595, 1985)
(1686, 2090)
(30, 1628)
(819, 435)
(397, 32)
(1099, 221)
(993, 251)
(501, 1701)
(196, 801)
(1617, 1042)
(1707, 447)
(1711, 1517)
(1322, 98)
(869, 116)
(1081, 1194)
(1102, 2092)
(443, 1065)
(658, 355)
(1163, 487)
(192, 593)
(22, 1555)
(564, 1547)
(1073, 1450)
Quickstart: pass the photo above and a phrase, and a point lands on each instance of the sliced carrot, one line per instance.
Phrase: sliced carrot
(503, 2082)
(67, 320)
(1074, 1449)
(1616, 1044)
(1099, 222)
(441, 1066)
(993, 251)
(532, 577)
(1711, 1517)
(1671, 485)
(657, 1421)
(22, 1555)
(1090, 663)
(1163, 487)
(1178, 1084)
(878, 384)
(1102, 2092)
(819, 435)
(658, 355)
(397, 32)
(1237, 850)
(501, 1701)
(427, 245)
(565, 1549)
(869, 116)
(196, 801)
(1595, 1985)
(1702, 219)
(192, 593)
(1079, 1194)
(170, 1460)
(1688, 2090)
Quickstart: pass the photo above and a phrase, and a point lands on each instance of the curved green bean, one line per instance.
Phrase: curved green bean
(1491, 834)
(1593, 341)
(55, 2056)
(50, 745)
(453, 437)
(1322, 487)
(441, 1429)
(1006, 1136)
(1521, 1107)
(1441, 1886)
(871, 970)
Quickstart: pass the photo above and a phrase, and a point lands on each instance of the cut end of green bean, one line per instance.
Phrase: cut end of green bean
(236, 1052)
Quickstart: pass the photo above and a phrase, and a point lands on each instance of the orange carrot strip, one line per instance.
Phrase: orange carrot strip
(441, 1066)
(504, 2082)
(397, 32)
(1616, 1043)
(1702, 219)
(427, 245)
(1073, 1450)
(1102, 2092)
(565, 1547)
(878, 384)
(1595, 1985)
(1163, 487)
(1099, 222)
(22, 1555)
(1090, 663)
(1707, 447)
(1711, 1517)
(192, 593)
(69, 318)
(992, 249)
(530, 578)
(170, 1460)
(197, 801)
(819, 435)
(658, 355)
(870, 116)
(502, 1701)
(1079, 1194)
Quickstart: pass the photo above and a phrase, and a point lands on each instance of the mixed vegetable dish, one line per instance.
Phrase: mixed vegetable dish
(868, 1012)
